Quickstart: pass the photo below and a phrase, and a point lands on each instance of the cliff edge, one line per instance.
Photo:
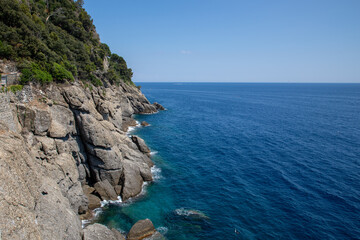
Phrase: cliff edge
(70, 150)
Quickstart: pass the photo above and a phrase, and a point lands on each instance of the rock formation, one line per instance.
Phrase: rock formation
(141, 230)
(69, 152)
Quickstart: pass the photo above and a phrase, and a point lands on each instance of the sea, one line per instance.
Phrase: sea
(249, 161)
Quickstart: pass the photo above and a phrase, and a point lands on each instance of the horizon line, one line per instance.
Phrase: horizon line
(254, 82)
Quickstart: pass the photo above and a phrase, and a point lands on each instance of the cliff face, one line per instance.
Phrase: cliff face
(70, 149)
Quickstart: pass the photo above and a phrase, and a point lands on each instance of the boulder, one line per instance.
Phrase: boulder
(144, 124)
(94, 201)
(42, 121)
(140, 143)
(87, 189)
(158, 106)
(93, 132)
(132, 180)
(141, 230)
(62, 122)
(98, 232)
(117, 234)
(105, 190)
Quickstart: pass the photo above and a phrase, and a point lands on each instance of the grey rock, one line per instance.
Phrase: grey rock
(144, 124)
(62, 122)
(105, 190)
(158, 106)
(53, 214)
(94, 201)
(117, 234)
(140, 143)
(98, 232)
(141, 230)
(93, 132)
(32, 202)
(42, 121)
(132, 180)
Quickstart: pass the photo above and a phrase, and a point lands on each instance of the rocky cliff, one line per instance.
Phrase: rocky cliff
(69, 150)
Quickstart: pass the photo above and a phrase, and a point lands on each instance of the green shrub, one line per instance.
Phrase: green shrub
(60, 73)
(95, 81)
(42, 76)
(15, 88)
(34, 73)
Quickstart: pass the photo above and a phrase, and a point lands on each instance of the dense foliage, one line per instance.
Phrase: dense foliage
(55, 40)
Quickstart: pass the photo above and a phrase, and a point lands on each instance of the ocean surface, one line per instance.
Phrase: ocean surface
(250, 161)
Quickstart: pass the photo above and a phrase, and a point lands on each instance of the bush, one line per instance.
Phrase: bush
(42, 76)
(15, 88)
(34, 73)
(60, 73)
(6, 51)
(95, 81)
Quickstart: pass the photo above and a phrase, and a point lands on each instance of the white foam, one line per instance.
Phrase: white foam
(137, 123)
(133, 128)
(162, 230)
(152, 153)
(97, 211)
(84, 223)
(182, 212)
(156, 172)
(106, 202)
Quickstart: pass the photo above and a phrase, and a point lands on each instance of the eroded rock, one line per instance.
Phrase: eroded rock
(141, 230)
(98, 232)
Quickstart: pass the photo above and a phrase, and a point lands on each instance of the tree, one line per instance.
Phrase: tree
(80, 3)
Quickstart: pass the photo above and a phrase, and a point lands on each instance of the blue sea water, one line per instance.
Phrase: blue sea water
(273, 161)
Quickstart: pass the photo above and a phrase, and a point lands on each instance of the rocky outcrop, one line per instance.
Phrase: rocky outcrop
(145, 124)
(33, 202)
(98, 232)
(141, 230)
(70, 151)
(158, 106)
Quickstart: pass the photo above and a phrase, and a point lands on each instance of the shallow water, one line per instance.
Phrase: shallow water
(273, 161)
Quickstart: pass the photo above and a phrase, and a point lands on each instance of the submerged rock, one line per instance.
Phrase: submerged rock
(191, 213)
(144, 124)
(141, 230)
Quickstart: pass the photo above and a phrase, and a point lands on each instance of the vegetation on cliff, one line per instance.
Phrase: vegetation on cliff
(55, 40)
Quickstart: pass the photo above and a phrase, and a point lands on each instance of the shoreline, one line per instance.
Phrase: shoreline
(155, 171)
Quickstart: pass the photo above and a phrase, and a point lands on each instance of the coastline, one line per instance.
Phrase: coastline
(79, 150)
(155, 174)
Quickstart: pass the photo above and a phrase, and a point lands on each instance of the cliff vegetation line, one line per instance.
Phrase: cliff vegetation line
(56, 41)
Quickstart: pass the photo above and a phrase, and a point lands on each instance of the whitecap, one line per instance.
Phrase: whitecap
(152, 153)
(162, 230)
(97, 211)
(156, 172)
(106, 202)
(190, 213)
(84, 223)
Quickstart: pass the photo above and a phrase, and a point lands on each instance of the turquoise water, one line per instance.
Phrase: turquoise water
(273, 161)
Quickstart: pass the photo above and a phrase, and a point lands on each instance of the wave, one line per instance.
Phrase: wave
(190, 213)
(133, 128)
(152, 153)
(156, 172)
(162, 230)
(106, 202)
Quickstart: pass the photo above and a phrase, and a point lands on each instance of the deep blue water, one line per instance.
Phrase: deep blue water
(273, 161)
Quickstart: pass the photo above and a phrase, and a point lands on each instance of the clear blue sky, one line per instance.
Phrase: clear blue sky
(233, 40)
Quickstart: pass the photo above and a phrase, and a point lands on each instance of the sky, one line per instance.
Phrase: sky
(233, 40)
